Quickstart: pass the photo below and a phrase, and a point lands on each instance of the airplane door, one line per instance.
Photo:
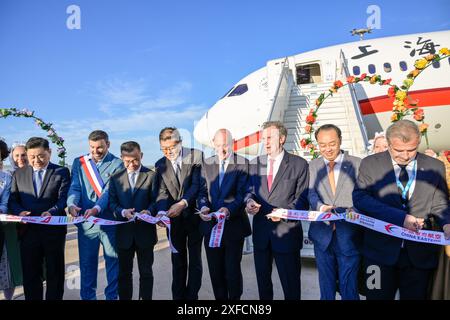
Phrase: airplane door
(329, 70)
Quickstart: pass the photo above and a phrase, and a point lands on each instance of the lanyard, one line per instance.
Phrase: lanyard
(410, 181)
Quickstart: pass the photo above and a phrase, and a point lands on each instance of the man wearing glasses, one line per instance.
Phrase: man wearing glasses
(179, 172)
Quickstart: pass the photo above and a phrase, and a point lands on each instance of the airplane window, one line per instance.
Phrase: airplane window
(387, 67)
(227, 93)
(403, 66)
(239, 90)
(356, 71)
(372, 69)
(436, 64)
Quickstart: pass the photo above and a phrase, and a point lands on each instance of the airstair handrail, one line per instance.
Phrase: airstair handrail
(355, 101)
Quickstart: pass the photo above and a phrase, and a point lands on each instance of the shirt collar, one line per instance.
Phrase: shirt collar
(44, 169)
(408, 166)
(278, 157)
(336, 161)
(101, 160)
(137, 171)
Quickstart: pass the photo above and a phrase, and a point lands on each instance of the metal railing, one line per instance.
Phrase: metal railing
(355, 102)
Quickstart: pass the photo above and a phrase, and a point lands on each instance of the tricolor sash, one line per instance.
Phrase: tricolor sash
(92, 173)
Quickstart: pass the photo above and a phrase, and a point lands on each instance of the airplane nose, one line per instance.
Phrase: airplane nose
(201, 132)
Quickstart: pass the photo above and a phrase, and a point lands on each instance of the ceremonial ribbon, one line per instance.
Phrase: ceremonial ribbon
(217, 231)
(423, 236)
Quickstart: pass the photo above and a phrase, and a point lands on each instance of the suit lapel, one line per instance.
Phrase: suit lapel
(169, 178)
(281, 170)
(343, 174)
(390, 180)
(126, 182)
(186, 163)
(49, 172)
(263, 173)
(141, 179)
(420, 178)
(105, 165)
(30, 180)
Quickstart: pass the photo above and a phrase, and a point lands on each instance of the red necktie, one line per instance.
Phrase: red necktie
(270, 176)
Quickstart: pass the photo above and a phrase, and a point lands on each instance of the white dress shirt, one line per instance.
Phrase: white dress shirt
(276, 164)
(409, 169)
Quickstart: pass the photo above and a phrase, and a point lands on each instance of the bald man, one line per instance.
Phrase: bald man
(223, 185)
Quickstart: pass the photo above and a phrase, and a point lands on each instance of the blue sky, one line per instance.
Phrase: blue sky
(136, 66)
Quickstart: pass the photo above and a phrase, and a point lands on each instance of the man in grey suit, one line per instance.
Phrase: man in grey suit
(179, 172)
(337, 243)
(134, 190)
(405, 188)
(41, 190)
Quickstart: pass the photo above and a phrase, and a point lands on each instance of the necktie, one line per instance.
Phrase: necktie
(221, 172)
(331, 165)
(38, 181)
(270, 176)
(133, 180)
(178, 173)
(403, 178)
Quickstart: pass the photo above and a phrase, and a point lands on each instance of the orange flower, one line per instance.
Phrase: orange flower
(310, 119)
(430, 57)
(423, 127)
(391, 91)
(308, 128)
(303, 143)
(318, 103)
(418, 115)
(338, 84)
(394, 117)
(414, 73)
(351, 79)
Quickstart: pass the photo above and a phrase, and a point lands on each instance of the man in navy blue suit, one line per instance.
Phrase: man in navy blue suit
(277, 180)
(222, 189)
(332, 179)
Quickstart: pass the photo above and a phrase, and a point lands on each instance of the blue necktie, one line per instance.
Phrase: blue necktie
(221, 172)
(38, 181)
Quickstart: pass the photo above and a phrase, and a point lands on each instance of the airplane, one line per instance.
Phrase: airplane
(251, 101)
(286, 88)
(360, 32)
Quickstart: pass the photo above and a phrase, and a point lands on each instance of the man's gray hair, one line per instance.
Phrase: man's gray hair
(226, 132)
(405, 130)
(169, 133)
(277, 124)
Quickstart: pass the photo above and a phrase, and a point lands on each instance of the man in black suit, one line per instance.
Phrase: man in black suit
(408, 189)
(179, 172)
(41, 190)
(134, 190)
(223, 186)
(277, 180)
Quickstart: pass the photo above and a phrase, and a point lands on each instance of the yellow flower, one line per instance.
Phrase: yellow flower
(400, 95)
(399, 106)
(373, 79)
(421, 63)
(444, 51)
(394, 117)
(423, 127)
(408, 83)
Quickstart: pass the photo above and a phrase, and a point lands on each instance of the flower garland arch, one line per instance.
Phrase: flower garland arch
(403, 104)
(48, 127)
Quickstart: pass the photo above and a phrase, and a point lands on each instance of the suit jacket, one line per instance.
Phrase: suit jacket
(289, 191)
(144, 197)
(376, 194)
(349, 236)
(81, 193)
(188, 189)
(52, 196)
(229, 194)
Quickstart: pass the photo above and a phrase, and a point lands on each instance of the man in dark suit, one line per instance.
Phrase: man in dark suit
(134, 190)
(406, 188)
(41, 190)
(337, 244)
(179, 172)
(277, 180)
(223, 186)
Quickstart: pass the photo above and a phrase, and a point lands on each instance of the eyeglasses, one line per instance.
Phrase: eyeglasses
(169, 149)
(128, 162)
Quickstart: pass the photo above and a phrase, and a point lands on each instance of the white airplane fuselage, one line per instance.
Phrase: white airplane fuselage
(248, 105)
